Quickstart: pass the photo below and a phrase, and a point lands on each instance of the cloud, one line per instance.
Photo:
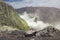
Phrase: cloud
(24, 3)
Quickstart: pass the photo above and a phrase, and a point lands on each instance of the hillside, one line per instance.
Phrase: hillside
(9, 17)
(49, 15)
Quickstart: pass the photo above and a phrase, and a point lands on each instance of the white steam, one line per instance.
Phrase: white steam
(38, 25)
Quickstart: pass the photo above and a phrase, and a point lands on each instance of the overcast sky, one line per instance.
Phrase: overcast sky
(28, 3)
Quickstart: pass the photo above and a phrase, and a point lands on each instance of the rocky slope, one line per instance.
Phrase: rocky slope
(9, 17)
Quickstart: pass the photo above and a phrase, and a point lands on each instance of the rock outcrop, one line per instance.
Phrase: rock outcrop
(49, 33)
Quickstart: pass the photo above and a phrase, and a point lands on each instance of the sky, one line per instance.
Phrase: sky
(34, 3)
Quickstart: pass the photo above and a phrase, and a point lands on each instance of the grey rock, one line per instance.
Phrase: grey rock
(42, 35)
